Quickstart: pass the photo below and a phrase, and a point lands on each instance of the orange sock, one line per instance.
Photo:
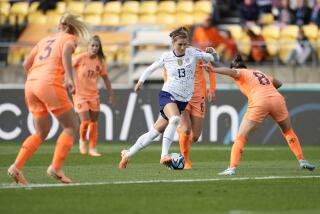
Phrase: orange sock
(294, 143)
(63, 147)
(83, 129)
(237, 150)
(93, 134)
(29, 146)
(184, 141)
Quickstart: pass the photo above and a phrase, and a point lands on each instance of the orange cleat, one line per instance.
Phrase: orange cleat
(188, 165)
(124, 159)
(17, 175)
(58, 174)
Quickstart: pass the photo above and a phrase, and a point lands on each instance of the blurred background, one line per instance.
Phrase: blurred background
(280, 37)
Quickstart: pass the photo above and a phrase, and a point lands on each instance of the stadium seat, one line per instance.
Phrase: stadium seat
(94, 8)
(266, 19)
(166, 19)
(93, 19)
(289, 31)
(184, 7)
(203, 7)
(53, 17)
(244, 44)
(76, 7)
(167, 7)
(128, 19)
(271, 34)
(4, 11)
(199, 17)
(61, 7)
(184, 19)
(112, 7)
(37, 18)
(110, 19)
(148, 7)
(33, 7)
(130, 7)
(286, 44)
(18, 12)
(147, 19)
(311, 32)
(236, 31)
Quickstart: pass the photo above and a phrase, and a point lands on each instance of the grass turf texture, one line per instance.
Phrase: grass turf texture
(287, 195)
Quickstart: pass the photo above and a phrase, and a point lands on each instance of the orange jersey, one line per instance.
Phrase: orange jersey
(255, 85)
(87, 72)
(200, 84)
(47, 65)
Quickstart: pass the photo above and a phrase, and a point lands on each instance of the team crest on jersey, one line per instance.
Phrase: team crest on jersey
(180, 62)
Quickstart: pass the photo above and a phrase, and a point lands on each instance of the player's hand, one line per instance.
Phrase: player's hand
(138, 86)
(70, 86)
(211, 96)
(210, 50)
(213, 53)
(207, 66)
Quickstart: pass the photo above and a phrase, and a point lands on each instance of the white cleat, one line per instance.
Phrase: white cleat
(228, 171)
(304, 164)
(82, 147)
(94, 153)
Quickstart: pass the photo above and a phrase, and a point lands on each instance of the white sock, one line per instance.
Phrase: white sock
(168, 134)
(143, 141)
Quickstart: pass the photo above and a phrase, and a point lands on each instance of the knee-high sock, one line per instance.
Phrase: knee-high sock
(294, 144)
(169, 134)
(63, 147)
(83, 129)
(143, 141)
(29, 146)
(93, 134)
(184, 141)
(237, 150)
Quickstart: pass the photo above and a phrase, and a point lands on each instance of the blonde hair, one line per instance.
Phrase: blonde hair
(71, 23)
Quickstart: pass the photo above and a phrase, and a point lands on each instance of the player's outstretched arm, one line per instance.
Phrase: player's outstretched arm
(234, 73)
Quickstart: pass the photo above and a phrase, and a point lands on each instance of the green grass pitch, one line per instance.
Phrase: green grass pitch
(268, 181)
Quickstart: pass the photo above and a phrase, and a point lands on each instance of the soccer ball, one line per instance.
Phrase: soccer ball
(177, 161)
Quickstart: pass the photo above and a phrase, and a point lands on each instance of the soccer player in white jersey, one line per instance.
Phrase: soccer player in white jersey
(180, 64)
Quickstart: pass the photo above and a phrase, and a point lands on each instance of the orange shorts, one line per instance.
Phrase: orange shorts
(82, 104)
(42, 98)
(273, 106)
(197, 106)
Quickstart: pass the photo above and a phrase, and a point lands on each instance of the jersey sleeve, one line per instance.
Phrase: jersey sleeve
(70, 39)
(201, 55)
(154, 66)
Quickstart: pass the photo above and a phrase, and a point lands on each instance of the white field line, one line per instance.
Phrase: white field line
(15, 186)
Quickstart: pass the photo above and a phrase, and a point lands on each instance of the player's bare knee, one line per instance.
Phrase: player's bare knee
(175, 120)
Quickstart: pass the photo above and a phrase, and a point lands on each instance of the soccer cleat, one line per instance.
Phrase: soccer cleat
(166, 159)
(82, 147)
(17, 175)
(94, 153)
(304, 164)
(58, 174)
(188, 165)
(228, 171)
(124, 159)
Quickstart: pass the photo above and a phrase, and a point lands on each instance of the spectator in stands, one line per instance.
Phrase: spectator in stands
(302, 14)
(315, 14)
(258, 46)
(283, 13)
(206, 35)
(228, 49)
(249, 12)
(265, 6)
(301, 51)
(47, 5)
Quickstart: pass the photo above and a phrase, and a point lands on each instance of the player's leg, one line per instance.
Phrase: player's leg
(246, 127)
(69, 123)
(93, 133)
(294, 144)
(280, 114)
(171, 111)
(184, 131)
(29, 146)
(84, 124)
(143, 141)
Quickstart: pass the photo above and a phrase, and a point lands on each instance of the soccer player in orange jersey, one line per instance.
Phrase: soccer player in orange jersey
(89, 66)
(46, 67)
(264, 99)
